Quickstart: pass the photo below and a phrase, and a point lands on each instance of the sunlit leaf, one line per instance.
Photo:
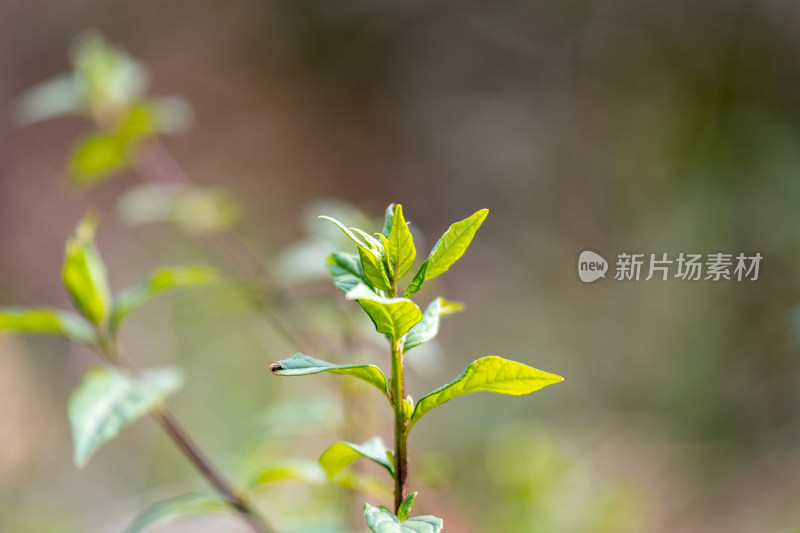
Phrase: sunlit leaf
(391, 316)
(452, 245)
(160, 280)
(98, 156)
(176, 508)
(108, 400)
(401, 252)
(288, 470)
(84, 273)
(381, 520)
(303, 365)
(406, 506)
(346, 231)
(428, 327)
(492, 374)
(346, 271)
(46, 321)
(341, 454)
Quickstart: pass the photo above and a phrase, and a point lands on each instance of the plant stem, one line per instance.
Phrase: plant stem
(400, 452)
(108, 348)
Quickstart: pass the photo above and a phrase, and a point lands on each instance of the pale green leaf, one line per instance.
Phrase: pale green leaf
(288, 470)
(84, 273)
(381, 520)
(387, 221)
(419, 279)
(391, 316)
(345, 229)
(98, 156)
(46, 321)
(452, 245)
(178, 507)
(303, 365)
(428, 327)
(49, 99)
(400, 252)
(406, 505)
(108, 400)
(160, 280)
(341, 454)
(346, 271)
(492, 374)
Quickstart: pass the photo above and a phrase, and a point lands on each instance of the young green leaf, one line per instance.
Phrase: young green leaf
(303, 365)
(387, 221)
(288, 470)
(347, 231)
(428, 327)
(381, 520)
(84, 274)
(341, 454)
(178, 507)
(391, 316)
(346, 271)
(46, 321)
(491, 373)
(160, 280)
(452, 245)
(374, 270)
(108, 400)
(419, 279)
(400, 252)
(405, 507)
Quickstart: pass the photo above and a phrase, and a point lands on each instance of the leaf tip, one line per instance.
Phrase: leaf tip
(276, 367)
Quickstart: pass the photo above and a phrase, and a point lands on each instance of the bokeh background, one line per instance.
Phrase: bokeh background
(616, 126)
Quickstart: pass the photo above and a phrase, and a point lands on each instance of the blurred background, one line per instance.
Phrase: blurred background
(616, 126)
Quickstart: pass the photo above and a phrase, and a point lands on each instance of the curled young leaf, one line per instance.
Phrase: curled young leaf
(382, 520)
(492, 374)
(346, 271)
(406, 505)
(303, 365)
(391, 316)
(46, 321)
(341, 454)
(84, 273)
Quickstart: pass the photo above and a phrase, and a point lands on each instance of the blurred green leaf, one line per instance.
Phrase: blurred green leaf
(98, 156)
(452, 245)
(84, 274)
(288, 470)
(160, 280)
(492, 374)
(47, 321)
(303, 365)
(140, 120)
(108, 400)
(406, 506)
(50, 99)
(178, 507)
(401, 252)
(341, 454)
(428, 327)
(381, 520)
(346, 271)
(391, 316)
